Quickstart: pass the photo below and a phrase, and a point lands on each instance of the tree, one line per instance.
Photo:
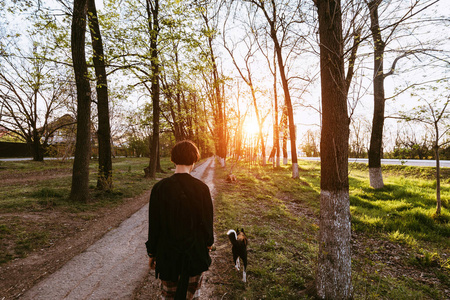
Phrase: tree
(245, 73)
(33, 88)
(104, 180)
(434, 113)
(152, 8)
(80, 176)
(358, 141)
(379, 45)
(277, 22)
(179, 62)
(32, 94)
(310, 143)
(333, 279)
(216, 97)
(410, 142)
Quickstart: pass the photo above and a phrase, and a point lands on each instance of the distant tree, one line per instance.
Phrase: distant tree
(212, 76)
(32, 95)
(412, 143)
(280, 15)
(358, 140)
(180, 61)
(310, 144)
(436, 114)
(247, 76)
(333, 277)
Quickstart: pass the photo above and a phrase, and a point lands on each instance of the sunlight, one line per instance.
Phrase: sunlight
(251, 126)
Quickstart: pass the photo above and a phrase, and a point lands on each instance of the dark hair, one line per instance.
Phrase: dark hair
(184, 153)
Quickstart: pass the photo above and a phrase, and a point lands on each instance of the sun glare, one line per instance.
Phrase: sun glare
(251, 126)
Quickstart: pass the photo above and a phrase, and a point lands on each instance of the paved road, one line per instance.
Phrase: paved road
(407, 162)
(112, 267)
(25, 158)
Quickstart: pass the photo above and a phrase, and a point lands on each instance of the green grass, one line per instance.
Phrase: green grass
(27, 207)
(280, 216)
(405, 206)
(128, 181)
(266, 203)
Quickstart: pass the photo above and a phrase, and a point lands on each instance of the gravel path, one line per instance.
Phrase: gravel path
(115, 266)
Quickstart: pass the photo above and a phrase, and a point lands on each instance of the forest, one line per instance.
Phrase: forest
(261, 81)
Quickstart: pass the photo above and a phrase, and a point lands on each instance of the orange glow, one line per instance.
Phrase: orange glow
(251, 126)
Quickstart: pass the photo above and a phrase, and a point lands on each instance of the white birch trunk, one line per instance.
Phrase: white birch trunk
(295, 173)
(334, 246)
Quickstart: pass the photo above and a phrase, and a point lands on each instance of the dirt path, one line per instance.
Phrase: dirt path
(114, 267)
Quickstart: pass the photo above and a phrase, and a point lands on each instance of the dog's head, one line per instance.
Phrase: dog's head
(241, 235)
(240, 231)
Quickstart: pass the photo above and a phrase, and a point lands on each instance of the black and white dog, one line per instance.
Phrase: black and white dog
(239, 241)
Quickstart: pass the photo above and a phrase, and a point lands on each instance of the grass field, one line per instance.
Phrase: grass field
(34, 207)
(400, 249)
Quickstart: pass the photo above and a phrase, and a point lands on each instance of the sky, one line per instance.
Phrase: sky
(309, 118)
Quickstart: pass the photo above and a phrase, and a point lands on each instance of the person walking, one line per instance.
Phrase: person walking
(180, 232)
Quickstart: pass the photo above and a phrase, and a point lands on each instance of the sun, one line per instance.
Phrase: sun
(251, 126)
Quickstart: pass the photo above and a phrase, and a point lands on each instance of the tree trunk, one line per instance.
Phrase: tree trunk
(276, 128)
(104, 179)
(272, 20)
(219, 103)
(287, 97)
(285, 134)
(438, 179)
(334, 262)
(258, 119)
(152, 14)
(222, 146)
(80, 177)
(37, 148)
(376, 138)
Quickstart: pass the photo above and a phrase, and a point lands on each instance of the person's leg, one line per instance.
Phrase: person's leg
(194, 288)
(168, 290)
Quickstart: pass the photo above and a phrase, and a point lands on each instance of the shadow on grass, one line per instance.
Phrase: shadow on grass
(398, 207)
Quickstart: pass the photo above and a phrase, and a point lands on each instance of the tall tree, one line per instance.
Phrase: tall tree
(216, 96)
(153, 26)
(104, 180)
(379, 45)
(274, 20)
(80, 177)
(333, 279)
(246, 74)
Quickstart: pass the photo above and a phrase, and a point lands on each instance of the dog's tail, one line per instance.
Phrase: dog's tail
(232, 235)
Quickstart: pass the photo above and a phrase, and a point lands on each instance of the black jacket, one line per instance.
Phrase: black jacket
(180, 226)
